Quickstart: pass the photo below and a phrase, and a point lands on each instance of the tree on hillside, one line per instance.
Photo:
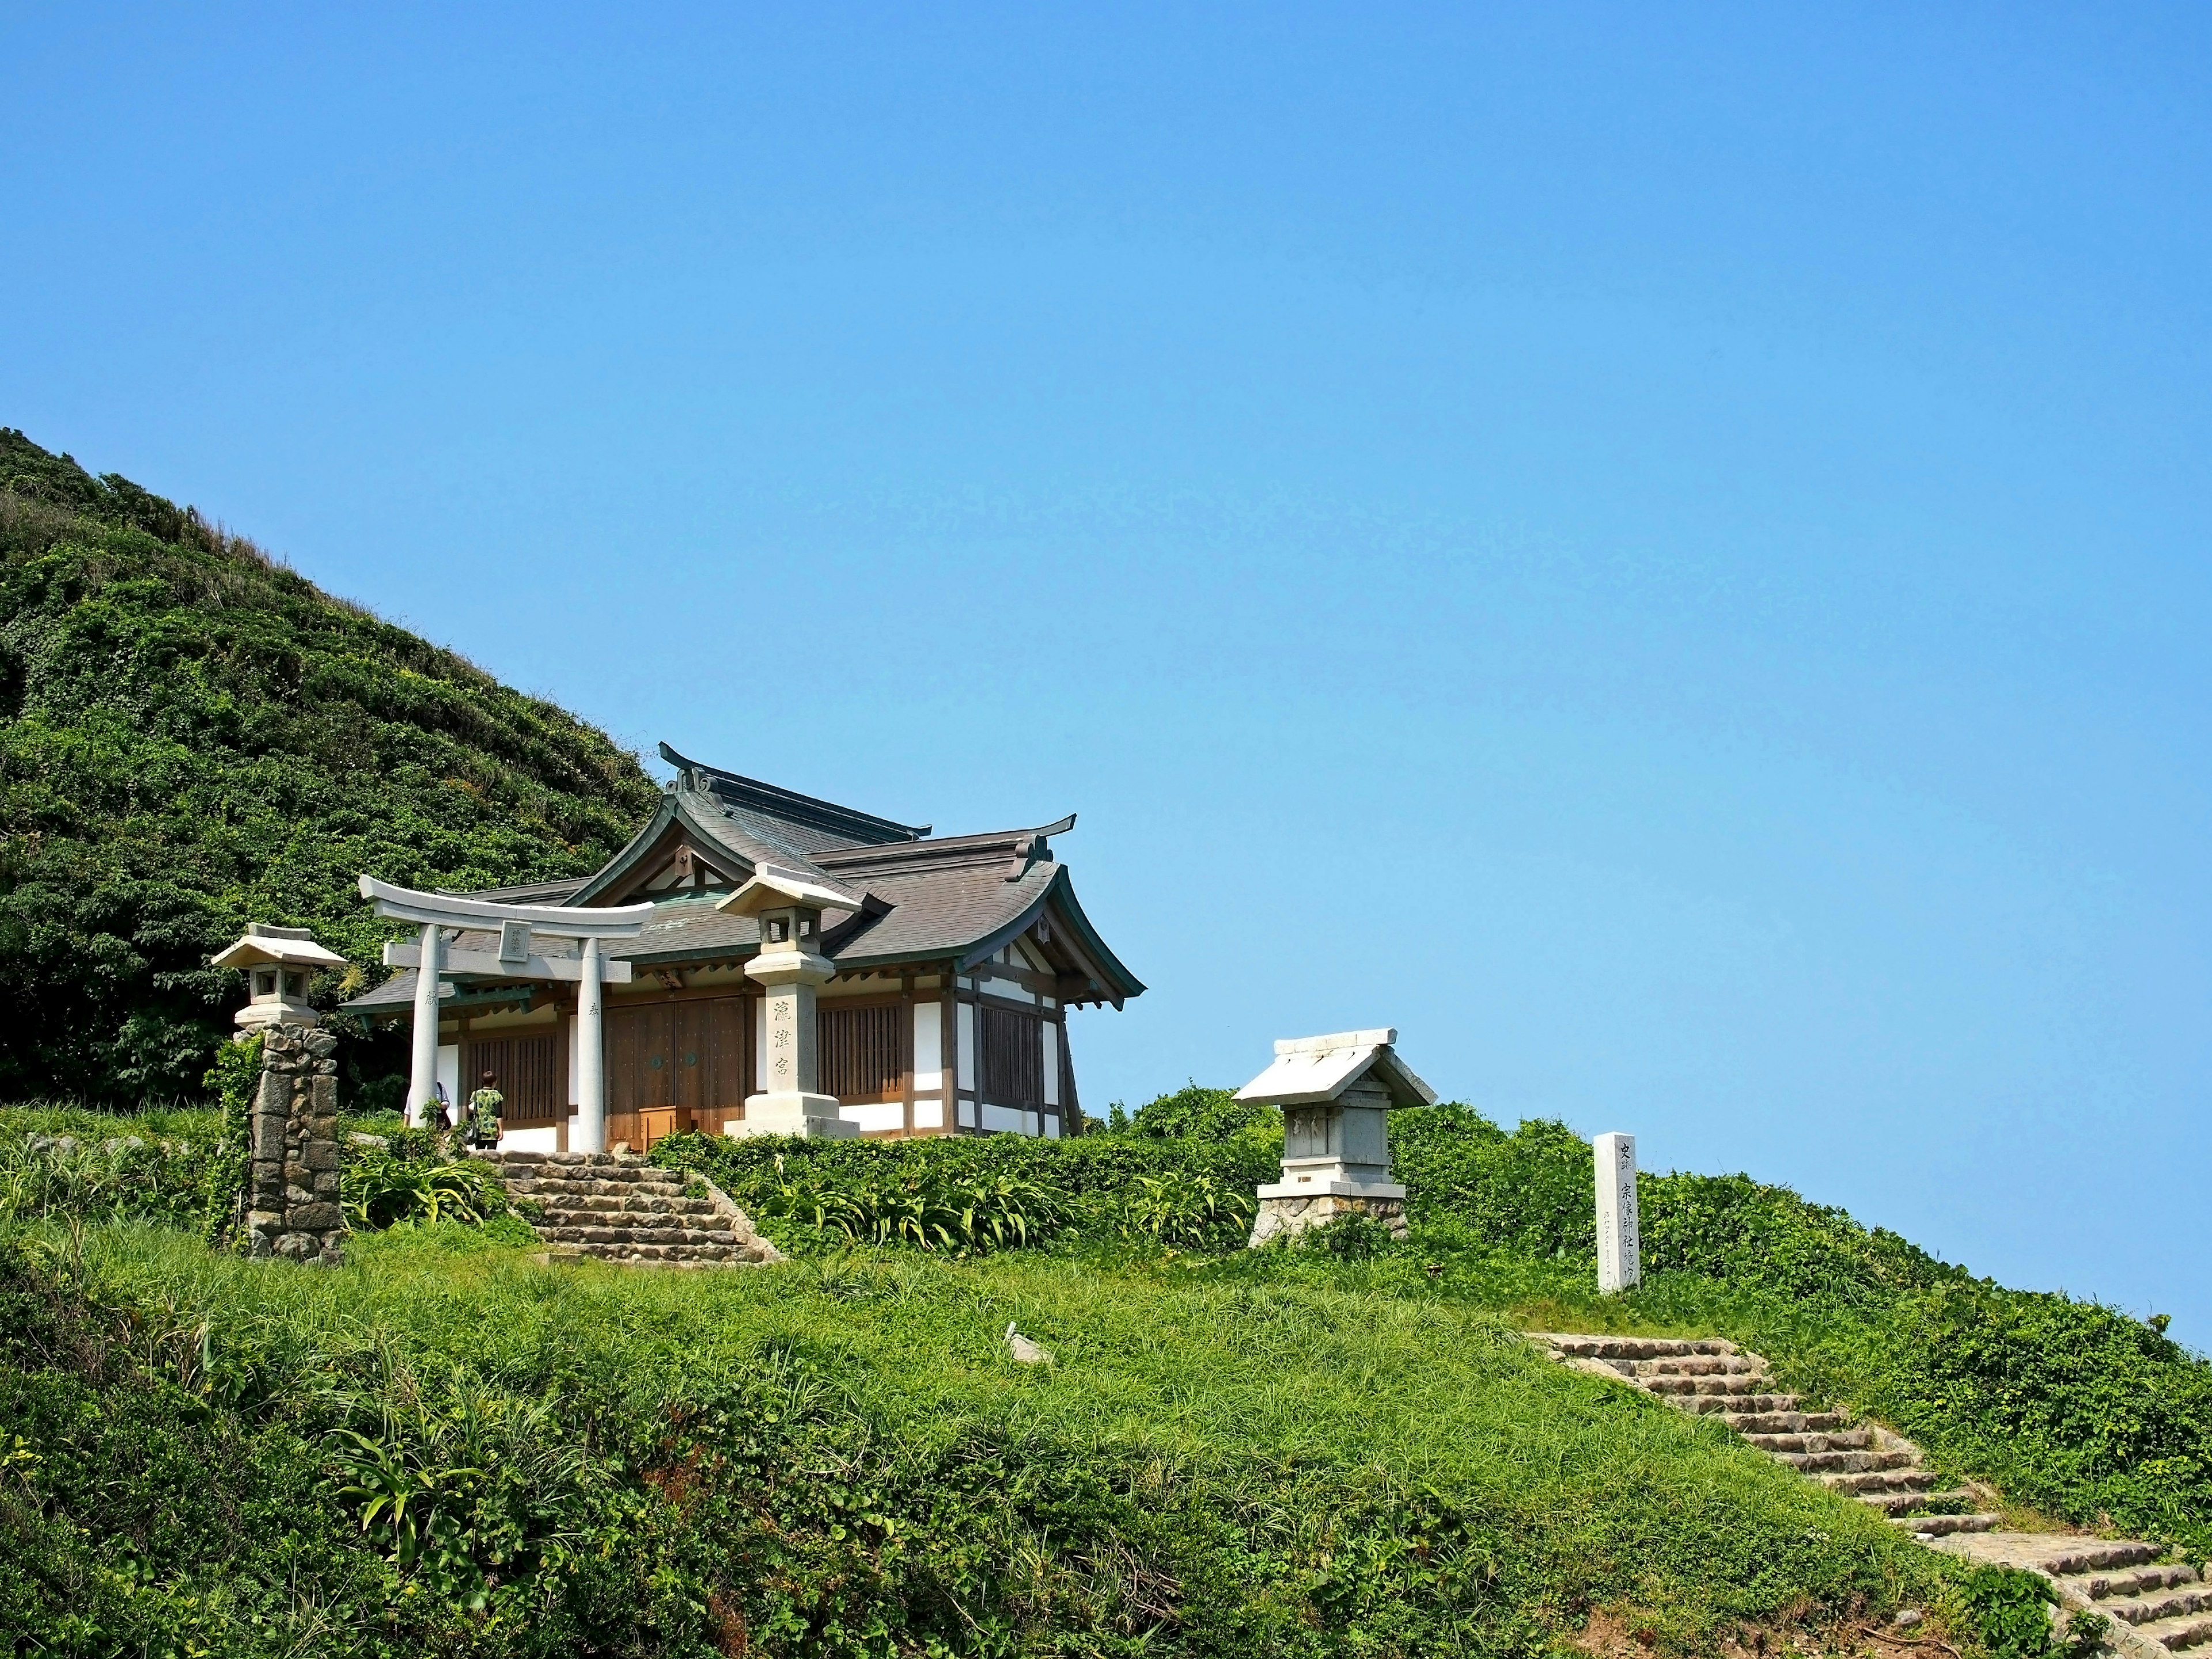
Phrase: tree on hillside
(193, 737)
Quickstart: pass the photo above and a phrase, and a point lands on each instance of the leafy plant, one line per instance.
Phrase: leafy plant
(930, 1208)
(379, 1190)
(233, 1080)
(2009, 1614)
(1182, 1211)
(1354, 1235)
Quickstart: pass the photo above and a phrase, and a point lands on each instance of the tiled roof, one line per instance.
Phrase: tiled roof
(957, 896)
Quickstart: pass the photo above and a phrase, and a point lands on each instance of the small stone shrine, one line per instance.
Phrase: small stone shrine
(1336, 1094)
(293, 1195)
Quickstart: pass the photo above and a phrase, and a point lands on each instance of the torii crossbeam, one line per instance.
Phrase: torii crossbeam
(516, 925)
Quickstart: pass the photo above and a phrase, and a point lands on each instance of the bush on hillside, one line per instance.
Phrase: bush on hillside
(193, 737)
(1195, 1113)
(988, 1192)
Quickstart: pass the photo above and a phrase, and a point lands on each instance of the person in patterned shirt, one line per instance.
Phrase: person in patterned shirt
(484, 1113)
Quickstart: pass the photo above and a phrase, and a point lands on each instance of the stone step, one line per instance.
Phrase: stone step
(631, 1204)
(2121, 1582)
(1790, 1422)
(1705, 1386)
(2159, 1604)
(1630, 1347)
(636, 1237)
(1731, 1404)
(2181, 1635)
(1843, 1462)
(627, 1218)
(1946, 1526)
(663, 1255)
(2071, 1557)
(1888, 1483)
(1724, 1365)
(1784, 1441)
(600, 1181)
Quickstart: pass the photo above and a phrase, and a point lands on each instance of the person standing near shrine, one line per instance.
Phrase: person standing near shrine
(484, 1113)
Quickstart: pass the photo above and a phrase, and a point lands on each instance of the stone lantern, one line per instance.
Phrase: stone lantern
(277, 962)
(1336, 1094)
(789, 905)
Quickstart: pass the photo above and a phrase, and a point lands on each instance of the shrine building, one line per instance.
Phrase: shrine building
(947, 965)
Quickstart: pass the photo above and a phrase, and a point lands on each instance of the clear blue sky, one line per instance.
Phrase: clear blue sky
(1662, 551)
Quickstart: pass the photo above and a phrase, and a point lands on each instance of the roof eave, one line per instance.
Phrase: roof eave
(1124, 985)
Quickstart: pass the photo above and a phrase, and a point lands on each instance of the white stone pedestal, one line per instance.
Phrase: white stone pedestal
(790, 1105)
(814, 1117)
(1619, 1240)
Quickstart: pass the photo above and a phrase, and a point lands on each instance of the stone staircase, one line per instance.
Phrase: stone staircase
(1711, 1376)
(611, 1207)
(2156, 1608)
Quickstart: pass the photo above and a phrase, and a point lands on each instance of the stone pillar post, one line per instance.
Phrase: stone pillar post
(790, 1066)
(293, 1209)
(422, 1075)
(591, 1134)
(1619, 1238)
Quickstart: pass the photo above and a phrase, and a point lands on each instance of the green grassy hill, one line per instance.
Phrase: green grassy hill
(448, 1447)
(192, 737)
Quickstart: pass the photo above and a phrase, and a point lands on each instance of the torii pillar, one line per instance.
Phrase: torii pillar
(515, 926)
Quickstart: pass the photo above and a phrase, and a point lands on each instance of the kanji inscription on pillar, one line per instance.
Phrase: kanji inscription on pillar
(1619, 1240)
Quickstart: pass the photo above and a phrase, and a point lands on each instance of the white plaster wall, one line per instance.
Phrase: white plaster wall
(760, 1038)
(1009, 1120)
(575, 1053)
(538, 1137)
(449, 1073)
(928, 1114)
(886, 1115)
(967, 1114)
(1051, 1063)
(964, 1067)
(1051, 1126)
(928, 1046)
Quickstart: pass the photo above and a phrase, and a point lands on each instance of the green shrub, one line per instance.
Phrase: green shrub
(1181, 1211)
(378, 1189)
(2008, 1615)
(966, 1193)
(914, 1202)
(1195, 1113)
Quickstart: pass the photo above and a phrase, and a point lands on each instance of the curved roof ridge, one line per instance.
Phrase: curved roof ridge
(773, 800)
(998, 842)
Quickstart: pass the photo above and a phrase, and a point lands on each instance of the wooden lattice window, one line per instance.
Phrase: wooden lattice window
(863, 1052)
(529, 1071)
(1013, 1058)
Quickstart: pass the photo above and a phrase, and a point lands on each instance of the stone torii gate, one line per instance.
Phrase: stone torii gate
(516, 958)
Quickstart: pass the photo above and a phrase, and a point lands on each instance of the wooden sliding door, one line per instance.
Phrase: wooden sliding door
(677, 1066)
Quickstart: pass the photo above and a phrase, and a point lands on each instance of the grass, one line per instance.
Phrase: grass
(1218, 1461)
(1342, 1448)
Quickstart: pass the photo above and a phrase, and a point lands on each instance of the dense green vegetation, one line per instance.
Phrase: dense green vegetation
(192, 737)
(445, 1447)
(1341, 1449)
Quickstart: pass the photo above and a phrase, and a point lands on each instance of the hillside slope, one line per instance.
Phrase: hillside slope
(193, 735)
